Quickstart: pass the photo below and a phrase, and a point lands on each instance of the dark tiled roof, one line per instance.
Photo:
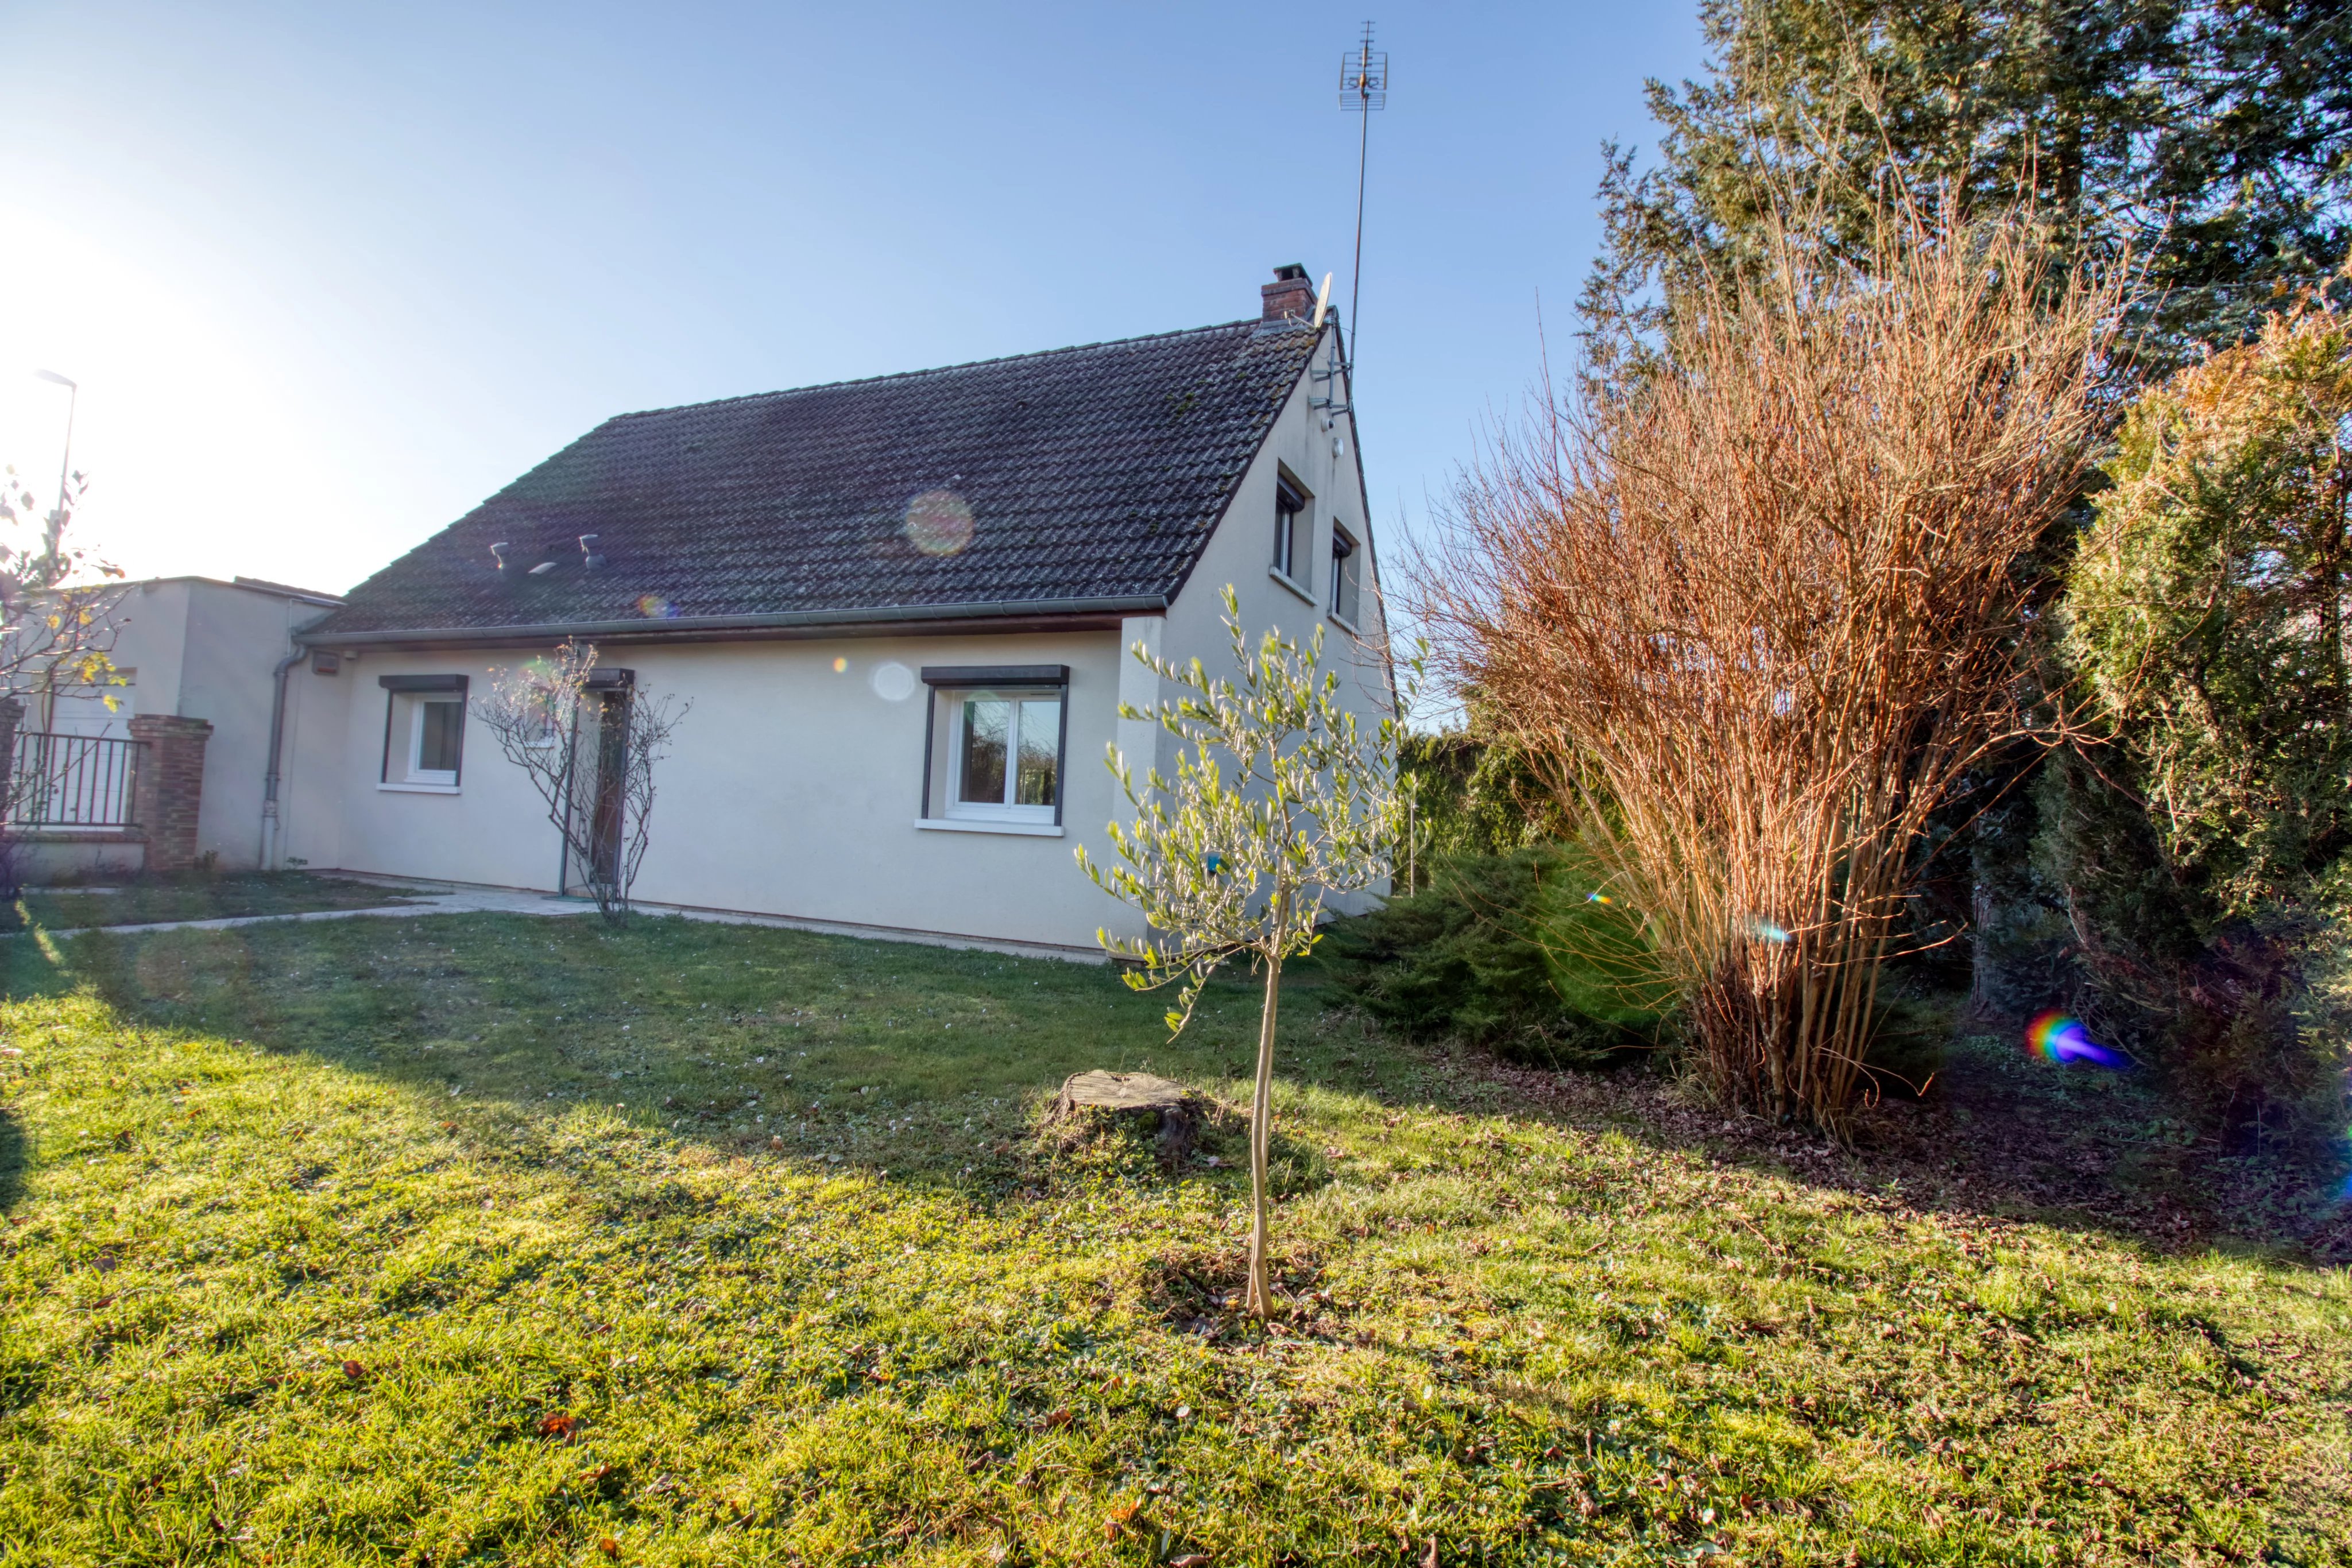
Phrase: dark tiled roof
(1083, 474)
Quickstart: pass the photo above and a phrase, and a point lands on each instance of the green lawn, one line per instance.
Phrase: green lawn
(493, 1240)
(197, 897)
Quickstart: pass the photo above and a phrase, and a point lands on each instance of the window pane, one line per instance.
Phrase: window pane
(986, 722)
(1287, 506)
(1041, 747)
(437, 744)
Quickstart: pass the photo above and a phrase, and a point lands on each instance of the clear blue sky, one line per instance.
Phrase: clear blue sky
(330, 274)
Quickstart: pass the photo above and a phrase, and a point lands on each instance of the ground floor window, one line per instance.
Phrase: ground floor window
(1008, 755)
(996, 743)
(423, 731)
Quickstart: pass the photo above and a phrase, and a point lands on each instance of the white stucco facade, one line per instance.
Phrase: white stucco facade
(189, 647)
(796, 780)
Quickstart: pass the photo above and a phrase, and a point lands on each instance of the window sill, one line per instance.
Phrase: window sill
(1343, 623)
(969, 825)
(423, 789)
(1289, 582)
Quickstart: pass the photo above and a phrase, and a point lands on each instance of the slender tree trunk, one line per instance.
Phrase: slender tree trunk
(1260, 1298)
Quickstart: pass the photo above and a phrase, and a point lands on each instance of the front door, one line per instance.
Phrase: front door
(610, 798)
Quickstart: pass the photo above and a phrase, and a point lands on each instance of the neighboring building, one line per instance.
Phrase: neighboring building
(187, 652)
(901, 609)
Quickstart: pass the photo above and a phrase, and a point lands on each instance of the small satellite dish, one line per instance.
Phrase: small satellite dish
(1322, 301)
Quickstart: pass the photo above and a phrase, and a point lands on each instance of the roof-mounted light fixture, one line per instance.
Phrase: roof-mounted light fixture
(498, 553)
(588, 556)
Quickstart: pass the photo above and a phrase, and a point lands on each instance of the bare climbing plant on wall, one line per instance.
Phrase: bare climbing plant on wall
(588, 740)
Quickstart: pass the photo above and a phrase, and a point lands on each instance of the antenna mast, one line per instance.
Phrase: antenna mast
(1363, 88)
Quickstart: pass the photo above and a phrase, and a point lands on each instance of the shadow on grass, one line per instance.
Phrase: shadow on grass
(1999, 1137)
(918, 1065)
(14, 1158)
(928, 1066)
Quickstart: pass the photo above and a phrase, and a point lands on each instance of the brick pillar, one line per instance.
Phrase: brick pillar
(170, 787)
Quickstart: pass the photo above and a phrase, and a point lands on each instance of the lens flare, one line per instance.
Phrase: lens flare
(939, 522)
(893, 682)
(2061, 1039)
(840, 666)
(1598, 898)
(654, 607)
(1766, 931)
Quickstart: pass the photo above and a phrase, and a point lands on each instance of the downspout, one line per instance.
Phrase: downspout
(277, 743)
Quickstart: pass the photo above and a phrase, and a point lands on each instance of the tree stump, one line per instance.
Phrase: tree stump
(1130, 1102)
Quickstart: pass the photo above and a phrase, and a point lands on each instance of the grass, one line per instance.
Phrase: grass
(139, 900)
(493, 1240)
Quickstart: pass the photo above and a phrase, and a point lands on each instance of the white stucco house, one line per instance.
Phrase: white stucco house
(181, 648)
(898, 607)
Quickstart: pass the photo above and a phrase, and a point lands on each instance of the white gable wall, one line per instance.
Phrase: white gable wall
(194, 648)
(1241, 553)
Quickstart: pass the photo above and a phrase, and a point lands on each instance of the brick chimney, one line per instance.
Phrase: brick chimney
(1290, 294)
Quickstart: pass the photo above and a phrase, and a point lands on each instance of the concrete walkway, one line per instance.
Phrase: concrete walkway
(444, 898)
(434, 899)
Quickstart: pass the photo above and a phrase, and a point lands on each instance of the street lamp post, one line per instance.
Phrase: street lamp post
(65, 463)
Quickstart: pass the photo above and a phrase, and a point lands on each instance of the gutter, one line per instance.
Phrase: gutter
(276, 744)
(271, 779)
(703, 626)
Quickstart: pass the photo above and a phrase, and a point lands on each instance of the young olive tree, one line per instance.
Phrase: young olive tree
(1278, 801)
(589, 748)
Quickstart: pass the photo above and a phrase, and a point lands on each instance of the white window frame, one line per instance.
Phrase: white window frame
(953, 685)
(404, 737)
(1347, 577)
(1297, 542)
(1006, 809)
(422, 703)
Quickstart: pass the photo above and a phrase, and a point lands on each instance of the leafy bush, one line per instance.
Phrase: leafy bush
(1474, 795)
(1511, 951)
(2204, 858)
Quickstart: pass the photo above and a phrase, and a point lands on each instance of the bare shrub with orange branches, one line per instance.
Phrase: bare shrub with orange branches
(1755, 615)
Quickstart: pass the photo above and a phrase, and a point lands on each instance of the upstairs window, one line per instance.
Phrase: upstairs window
(1347, 576)
(1291, 525)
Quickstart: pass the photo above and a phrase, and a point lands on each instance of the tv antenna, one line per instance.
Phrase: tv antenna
(1363, 88)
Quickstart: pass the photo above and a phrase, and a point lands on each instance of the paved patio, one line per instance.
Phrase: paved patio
(446, 898)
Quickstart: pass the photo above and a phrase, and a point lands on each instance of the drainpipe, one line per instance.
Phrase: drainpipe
(276, 741)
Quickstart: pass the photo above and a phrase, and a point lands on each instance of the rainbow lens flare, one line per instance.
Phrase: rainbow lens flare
(840, 666)
(2060, 1039)
(1598, 898)
(939, 522)
(654, 607)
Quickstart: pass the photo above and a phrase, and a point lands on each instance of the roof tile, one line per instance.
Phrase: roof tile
(1094, 472)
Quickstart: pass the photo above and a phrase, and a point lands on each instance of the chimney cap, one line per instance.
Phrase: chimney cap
(1291, 272)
